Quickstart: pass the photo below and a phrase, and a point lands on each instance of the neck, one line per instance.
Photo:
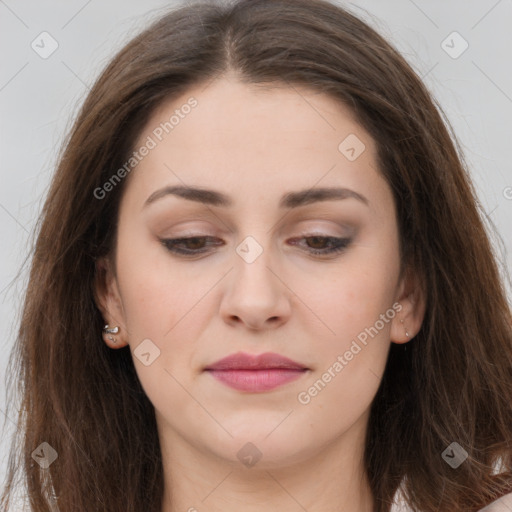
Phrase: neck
(332, 479)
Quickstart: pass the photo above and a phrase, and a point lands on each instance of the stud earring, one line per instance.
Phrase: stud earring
(406, 333)
(110, 330)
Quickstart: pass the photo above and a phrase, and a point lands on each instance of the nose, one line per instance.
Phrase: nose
(256, 295)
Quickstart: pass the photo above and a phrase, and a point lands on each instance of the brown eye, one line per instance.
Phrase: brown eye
(323, 245)
(317, 242)
(188, 246)
(195, 242)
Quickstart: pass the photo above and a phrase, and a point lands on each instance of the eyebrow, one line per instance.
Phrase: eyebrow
(288, 200)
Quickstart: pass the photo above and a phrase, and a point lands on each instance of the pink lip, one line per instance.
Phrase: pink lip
(263, 372)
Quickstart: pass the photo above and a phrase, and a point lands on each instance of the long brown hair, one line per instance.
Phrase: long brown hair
(452, 383)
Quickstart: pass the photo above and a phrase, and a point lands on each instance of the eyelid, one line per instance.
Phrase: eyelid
(321, 228)
(194, 233)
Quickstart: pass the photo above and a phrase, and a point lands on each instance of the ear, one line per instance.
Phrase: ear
(412, 298)
(108, 300)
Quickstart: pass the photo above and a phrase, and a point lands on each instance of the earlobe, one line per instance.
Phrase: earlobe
(108, 301)
(409, 318)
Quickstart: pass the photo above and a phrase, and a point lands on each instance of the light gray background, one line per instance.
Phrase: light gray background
(39, 97)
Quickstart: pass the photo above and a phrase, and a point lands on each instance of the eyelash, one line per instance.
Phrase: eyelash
(340, 244)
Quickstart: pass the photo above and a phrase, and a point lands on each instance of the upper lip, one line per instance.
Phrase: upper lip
(243, 361)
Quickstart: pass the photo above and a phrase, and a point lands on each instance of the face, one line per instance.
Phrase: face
(262, 263)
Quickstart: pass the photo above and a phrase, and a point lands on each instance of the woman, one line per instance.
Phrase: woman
(261, 279)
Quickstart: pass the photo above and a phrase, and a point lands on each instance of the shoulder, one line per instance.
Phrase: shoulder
(504, 504)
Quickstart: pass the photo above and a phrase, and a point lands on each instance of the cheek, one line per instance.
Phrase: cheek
(161, 306)
(155, 289)
(356, 306)
(356, 292)
(351, 355)
(358, 316)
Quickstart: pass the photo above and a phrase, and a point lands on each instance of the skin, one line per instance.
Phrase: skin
(255, 144)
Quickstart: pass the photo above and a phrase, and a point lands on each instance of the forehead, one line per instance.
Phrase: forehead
(229, 111)
(252, 139)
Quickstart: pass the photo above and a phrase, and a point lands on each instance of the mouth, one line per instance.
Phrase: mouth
(246, 372)
(256, 380)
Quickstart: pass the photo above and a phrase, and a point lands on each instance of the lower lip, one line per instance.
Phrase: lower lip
(256, 380)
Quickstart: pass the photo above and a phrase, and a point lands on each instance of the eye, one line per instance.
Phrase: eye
(195, 245)
(324, 244)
